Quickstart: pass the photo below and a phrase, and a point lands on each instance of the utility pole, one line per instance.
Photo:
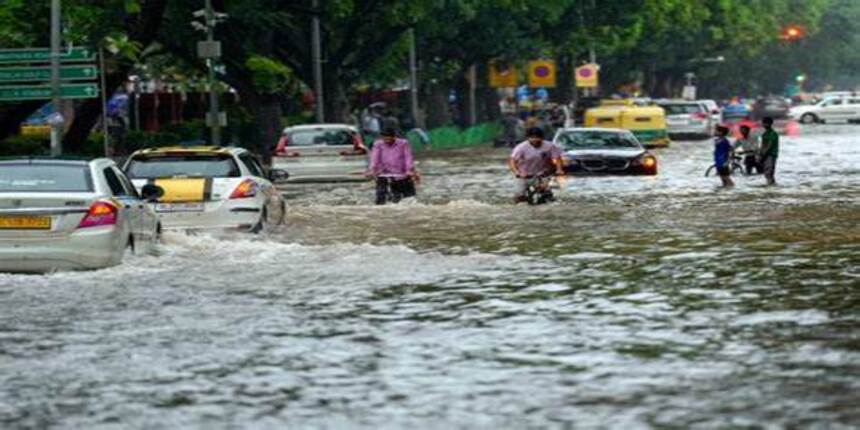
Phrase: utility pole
(214, 110)
(413, 80)
(316, 53)
(57, 122)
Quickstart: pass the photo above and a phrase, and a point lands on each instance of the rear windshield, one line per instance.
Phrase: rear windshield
(320, 137)
(597, 140)
(28, 178)
(685, 109)
(183, 166)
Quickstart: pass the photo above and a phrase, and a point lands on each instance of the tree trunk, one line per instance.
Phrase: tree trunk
(563, 93)
(336, 102)
(12, 116)
(438, 111)
(488, 99)
(267, 119)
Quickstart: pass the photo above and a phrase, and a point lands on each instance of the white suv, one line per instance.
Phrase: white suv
(828, 110)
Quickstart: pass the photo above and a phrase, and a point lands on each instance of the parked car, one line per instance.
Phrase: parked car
(689, 118)
(209, 187)
(714, 109)
(774, 107)
(321, 153)
(71, 215)
(828, 110)
(604, 151)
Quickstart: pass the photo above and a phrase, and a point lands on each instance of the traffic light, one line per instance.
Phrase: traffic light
(793, 32)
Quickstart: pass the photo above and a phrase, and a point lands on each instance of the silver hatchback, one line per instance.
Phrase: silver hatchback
(321, 153)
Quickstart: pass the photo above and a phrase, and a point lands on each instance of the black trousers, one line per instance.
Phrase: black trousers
(393, 190)
(750, 163)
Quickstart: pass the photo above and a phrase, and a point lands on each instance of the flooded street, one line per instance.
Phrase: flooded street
(634, 302)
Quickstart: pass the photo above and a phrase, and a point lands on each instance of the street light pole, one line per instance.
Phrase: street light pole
(316, 53)
(413, 80)
(214, 110)
(56, 123)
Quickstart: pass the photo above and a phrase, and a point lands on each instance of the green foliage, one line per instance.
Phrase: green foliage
(15, 146)
(269, 76)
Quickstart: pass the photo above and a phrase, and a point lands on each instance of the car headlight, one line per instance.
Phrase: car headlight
(647, 161)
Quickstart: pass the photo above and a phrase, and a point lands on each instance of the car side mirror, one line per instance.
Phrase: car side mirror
(151, 192)
(278, 175)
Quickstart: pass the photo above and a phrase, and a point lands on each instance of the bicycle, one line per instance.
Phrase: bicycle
(735, 165)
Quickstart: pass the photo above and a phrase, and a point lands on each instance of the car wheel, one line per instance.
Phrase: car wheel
(808, 118)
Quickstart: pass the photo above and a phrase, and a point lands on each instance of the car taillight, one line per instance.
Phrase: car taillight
(246, 189)
(699, 115)
(100, 213)
(283, 142)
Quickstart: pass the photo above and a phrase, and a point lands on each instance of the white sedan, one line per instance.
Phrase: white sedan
(322, 153)
(209, 187)
(70, 215)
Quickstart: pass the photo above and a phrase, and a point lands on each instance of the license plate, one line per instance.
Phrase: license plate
(179, 207)
(25, 223)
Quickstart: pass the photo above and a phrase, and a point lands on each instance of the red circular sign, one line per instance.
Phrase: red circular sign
(585, 72)
(542, 71)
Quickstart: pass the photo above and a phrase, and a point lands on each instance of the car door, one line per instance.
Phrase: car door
(147, 221)
(852, 109)
(831, 110)
(266, 186)
(128, 204)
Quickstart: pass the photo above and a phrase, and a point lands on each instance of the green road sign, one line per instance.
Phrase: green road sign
(43, 92)
(43, 55)
(32, 74)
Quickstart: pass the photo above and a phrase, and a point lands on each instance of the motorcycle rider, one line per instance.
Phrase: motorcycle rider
(391, 163)
(749, 147)
(532, 158)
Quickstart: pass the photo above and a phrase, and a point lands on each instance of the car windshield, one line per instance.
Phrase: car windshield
(320, 137)
(681, 109)
(597, 140)
(28, 178)
(183, 166)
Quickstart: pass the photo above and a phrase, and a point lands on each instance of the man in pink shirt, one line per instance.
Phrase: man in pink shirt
(392, 165)
(534, 158)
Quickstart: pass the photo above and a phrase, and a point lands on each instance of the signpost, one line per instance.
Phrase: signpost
(43, 55)
(34, 74)
(43, 92)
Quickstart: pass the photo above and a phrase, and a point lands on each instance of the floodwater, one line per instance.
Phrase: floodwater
(631, 303)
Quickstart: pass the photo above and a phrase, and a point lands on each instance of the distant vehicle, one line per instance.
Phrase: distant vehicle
(834, 94)
(774, 107)
(209, 187)
(714, 109)
(604, 151)
(647, 123)
(71, 215)
(689, 118)
(734, 112)
(833, 109)
(322, 153)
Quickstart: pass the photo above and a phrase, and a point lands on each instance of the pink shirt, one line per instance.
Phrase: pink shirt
(533, 161)
(393, 161)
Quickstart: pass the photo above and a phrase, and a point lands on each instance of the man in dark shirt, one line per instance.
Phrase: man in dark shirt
(769, 150)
